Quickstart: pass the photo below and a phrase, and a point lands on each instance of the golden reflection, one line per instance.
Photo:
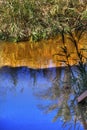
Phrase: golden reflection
(40, 54)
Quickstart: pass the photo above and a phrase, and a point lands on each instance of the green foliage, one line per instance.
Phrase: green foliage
(36, 20)
(84, 15)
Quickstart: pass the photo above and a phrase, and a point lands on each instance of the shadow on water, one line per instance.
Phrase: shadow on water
(24, 90)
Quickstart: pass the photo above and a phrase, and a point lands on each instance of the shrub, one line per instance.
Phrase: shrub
(36, 20)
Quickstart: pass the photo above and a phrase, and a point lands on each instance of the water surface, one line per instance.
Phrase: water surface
(40, 54)
(32, 97)
(19, 99)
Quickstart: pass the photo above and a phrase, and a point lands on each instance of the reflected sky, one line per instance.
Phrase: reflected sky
(18, 103)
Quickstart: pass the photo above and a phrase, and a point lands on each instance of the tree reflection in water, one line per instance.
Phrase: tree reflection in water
(63, 101)
(58, 93)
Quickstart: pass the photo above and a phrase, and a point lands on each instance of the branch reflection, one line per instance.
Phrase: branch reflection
(62, 99)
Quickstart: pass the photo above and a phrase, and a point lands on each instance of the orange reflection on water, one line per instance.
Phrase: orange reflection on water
(38, 55)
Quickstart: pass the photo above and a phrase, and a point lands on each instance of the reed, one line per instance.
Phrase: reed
(23, 20)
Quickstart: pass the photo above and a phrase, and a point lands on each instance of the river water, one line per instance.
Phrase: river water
(27, 95)
(35, 87)
(40, 54)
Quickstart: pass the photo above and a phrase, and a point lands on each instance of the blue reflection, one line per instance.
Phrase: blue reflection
(18, 105)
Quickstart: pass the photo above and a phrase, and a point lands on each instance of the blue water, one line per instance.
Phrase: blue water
(18, 103)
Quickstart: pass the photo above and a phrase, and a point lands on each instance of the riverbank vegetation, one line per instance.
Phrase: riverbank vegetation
(42, 19)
